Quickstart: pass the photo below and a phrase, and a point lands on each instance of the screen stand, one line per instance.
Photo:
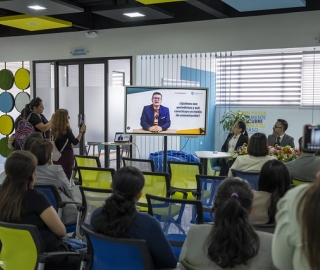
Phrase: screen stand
(165, 151)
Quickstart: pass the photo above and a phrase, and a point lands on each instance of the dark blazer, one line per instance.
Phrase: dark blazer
(242, 139)
(286, 140)
(147, 117)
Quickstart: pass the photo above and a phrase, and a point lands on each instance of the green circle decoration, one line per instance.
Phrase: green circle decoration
(22, 78)
(6, 124)
(6, 79)
(4, 149)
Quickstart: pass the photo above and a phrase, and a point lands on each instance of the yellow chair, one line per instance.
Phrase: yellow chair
(95, 177)
(22, 248)
(296, 182)
(85, 161)
(155, 184)
(183, 182)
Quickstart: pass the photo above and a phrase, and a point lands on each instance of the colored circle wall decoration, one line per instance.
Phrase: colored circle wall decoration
(6, 124)
(6, 79)
(4, 149)
(6, 102)
(21, 100)
(22, 78)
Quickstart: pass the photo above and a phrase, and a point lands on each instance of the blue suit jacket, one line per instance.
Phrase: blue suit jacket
(147, 117)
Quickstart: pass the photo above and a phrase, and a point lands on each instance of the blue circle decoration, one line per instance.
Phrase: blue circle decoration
(6, 102)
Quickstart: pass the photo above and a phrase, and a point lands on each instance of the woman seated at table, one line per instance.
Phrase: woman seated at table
(235, 139)
(258, 154)
(119, 217)
(20, 203)
(231, 242)
(50, 174)
(274, 182)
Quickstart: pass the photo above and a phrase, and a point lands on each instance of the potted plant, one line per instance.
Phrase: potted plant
(229, 118)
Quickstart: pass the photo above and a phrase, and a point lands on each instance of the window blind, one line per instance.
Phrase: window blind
(259, 79)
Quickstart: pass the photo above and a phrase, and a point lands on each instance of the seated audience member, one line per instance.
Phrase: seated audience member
(30, 139)
(119, 217)
(279, 136)
(235, 139)
(20, 203)
(258, 154)
(274, 182)
(231, 242)
(50, 174)
(297, 235)
(305, 167)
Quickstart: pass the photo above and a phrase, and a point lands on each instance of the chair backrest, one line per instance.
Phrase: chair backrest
(269, 228)
(296, 181)
(20, 246)
(95, 177)
(92, 198)
(87, 161)
(206, 189)
(175, 215)
(117, 253)
(155, 184)
(144, 165)
(51, 193)
(183, 175)
(251, 177)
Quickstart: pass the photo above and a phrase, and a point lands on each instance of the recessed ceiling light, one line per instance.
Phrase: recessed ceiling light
(36, 7)
(134, 14)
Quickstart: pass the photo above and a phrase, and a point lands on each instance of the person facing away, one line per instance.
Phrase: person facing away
(231, 242)
(279, 137)
(305, 167)
(296, 241)
(235, 139)
(155, 117)
(63, 136)
(119, 217)
(258, 154)
(37, 119)
(274, 182)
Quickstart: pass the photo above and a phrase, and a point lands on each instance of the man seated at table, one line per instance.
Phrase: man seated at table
(279, 136)
(155, 117)
(305, 167)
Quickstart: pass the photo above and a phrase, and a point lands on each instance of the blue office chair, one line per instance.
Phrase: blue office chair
(206, 190)
(54, 198)
(106, 252)
(251, 177)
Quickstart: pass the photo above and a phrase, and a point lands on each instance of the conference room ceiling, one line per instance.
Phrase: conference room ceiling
(94, 15)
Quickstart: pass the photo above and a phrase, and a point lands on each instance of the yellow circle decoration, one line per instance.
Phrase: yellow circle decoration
(6, 124)
(4, 149)
(22, 78)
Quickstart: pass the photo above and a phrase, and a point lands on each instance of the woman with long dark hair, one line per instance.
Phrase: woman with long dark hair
(34, 112)
(231, 242)
(235, 139)
(119, 217)
(20, 203)
(258, 154)
(274, 182)
(64, 140)
(296, 242)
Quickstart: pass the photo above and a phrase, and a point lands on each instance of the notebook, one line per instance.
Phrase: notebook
(120, 137)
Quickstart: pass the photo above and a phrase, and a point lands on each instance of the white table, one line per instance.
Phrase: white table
(118, 150)
(205, 155)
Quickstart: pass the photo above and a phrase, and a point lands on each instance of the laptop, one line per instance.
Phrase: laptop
(120, 137)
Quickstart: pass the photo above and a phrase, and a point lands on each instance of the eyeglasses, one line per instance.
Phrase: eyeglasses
(156, 98)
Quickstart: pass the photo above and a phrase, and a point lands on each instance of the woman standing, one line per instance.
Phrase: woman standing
(64, 140)
(120, 218)
(34, 111)
(258, 154)
(231, 242)
(235, 139)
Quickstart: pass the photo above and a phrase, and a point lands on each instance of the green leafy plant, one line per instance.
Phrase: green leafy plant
(229, 118)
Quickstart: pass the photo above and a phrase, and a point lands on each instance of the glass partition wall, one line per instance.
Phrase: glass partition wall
(91, 90)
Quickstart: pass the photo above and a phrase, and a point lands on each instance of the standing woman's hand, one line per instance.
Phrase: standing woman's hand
(83, 128)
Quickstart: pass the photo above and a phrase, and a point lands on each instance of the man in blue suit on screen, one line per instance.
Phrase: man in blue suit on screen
(155, 117)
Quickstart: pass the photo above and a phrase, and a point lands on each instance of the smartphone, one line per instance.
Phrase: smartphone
(81, 123)
(311, 138)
